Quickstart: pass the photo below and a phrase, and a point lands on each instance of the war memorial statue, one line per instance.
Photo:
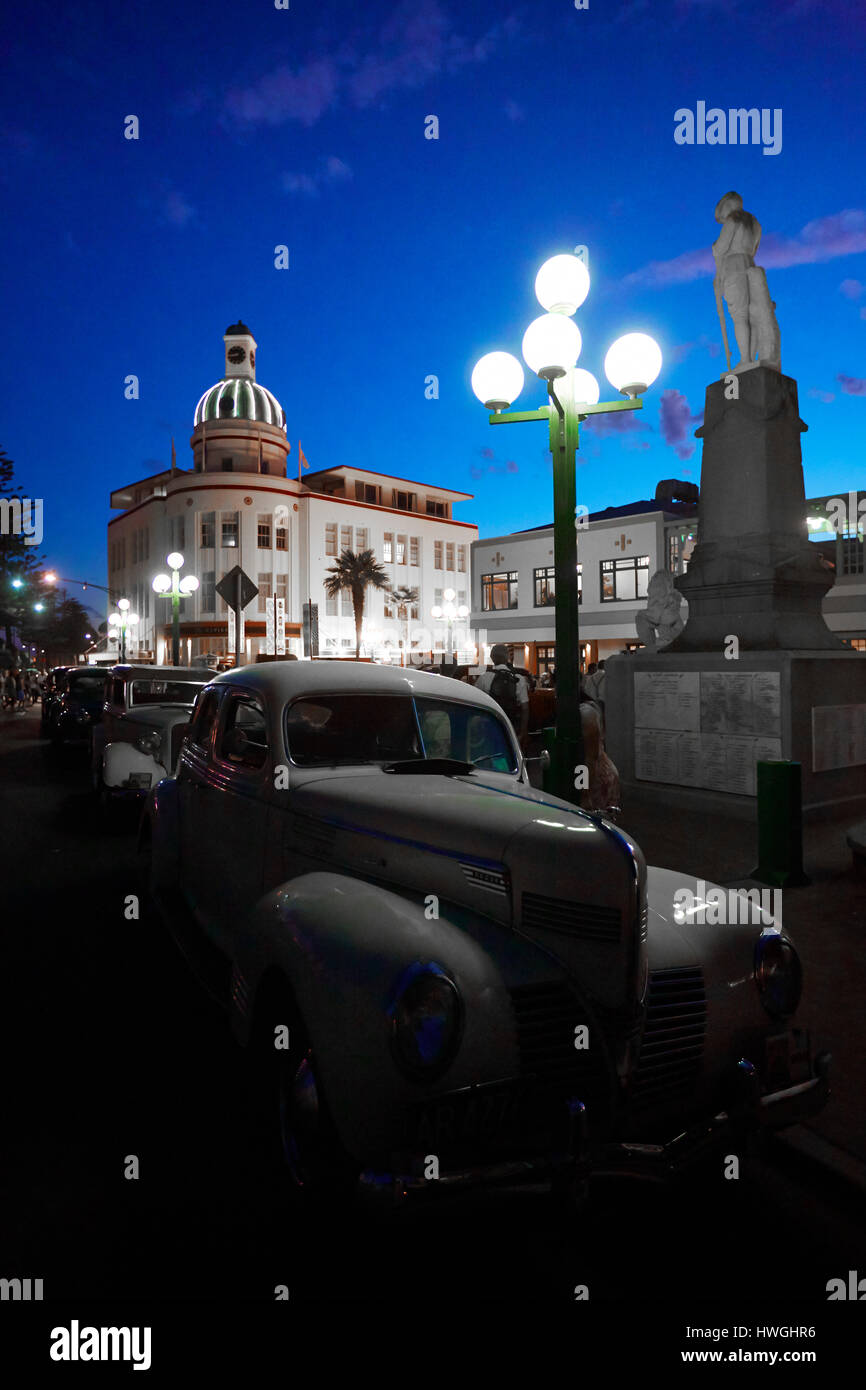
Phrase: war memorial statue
(743, 285)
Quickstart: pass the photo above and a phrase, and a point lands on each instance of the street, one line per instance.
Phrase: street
(112, 1051)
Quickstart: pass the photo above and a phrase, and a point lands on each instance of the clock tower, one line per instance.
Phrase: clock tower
(240, 352)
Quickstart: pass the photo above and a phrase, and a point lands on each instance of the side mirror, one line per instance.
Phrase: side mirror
(544, 759)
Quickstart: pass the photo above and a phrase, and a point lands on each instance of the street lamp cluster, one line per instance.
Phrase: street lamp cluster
(449, 612)
(175, 588)
(551, 346)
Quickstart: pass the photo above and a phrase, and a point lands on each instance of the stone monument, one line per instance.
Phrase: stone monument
(755, 673)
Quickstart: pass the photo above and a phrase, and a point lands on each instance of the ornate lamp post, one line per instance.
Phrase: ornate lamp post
(121, 621)
(175, 588)
(551, 347)
(450, 614)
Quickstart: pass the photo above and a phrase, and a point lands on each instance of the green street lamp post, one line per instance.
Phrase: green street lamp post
(449, 613)
(175, 588)
(551, 347)
(120, 623)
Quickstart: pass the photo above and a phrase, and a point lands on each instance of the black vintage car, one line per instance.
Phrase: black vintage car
(52, 689)
(78, 706)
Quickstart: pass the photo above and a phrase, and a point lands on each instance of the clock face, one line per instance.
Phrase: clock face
(252, 358)
(237, 354)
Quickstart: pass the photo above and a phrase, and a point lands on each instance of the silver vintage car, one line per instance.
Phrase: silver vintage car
(442, 973)
(144, 717)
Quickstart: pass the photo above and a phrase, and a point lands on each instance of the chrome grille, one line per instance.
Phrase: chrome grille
(673, 1037)
(546, 1017)
(491, 880)
(587, 920)
(178, 734)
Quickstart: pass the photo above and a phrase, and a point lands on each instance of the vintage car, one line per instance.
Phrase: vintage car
(51, 692)
(144, 716)
(77, 706)
(441, 972)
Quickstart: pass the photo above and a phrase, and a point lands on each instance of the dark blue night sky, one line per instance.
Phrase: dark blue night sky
(410, 256)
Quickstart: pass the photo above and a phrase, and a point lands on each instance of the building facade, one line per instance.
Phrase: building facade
(238, 505)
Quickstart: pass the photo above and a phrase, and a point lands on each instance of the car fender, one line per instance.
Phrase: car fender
(343, 944)
(120, 760)
(161, 820)
(725, 951)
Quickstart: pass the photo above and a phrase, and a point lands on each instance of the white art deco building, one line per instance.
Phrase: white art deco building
(237, 504)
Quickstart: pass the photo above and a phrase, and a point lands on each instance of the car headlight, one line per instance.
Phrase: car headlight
(426, 1022)
(778, 974)
(149, 742)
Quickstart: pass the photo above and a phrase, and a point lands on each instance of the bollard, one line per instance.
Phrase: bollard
(780, 825)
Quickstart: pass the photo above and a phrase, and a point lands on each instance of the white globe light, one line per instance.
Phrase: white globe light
(497, 380)
(551, 344)
(174, 560)
(131, 619)
(123, 604)
(189, 584)
(632, 363)
(581, 386)
(449, 595)
(463, 611)
(114, 619)
(161, 584)
(436, 611)
(562, 284)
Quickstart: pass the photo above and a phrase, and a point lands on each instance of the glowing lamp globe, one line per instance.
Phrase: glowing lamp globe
(497, 380)
(581, 387)
(463, 611)
(161, 584)
(123, 604)
(551, 344)
(174, 560)
(449, 595)
(632, 363)
(131, 619)
(114, 619)
(436, 611)
(562, 284)
(189, 584)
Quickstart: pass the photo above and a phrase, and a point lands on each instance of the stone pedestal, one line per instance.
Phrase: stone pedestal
(690, 722)
(754, 574)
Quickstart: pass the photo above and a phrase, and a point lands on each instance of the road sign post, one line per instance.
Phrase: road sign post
(238, 590)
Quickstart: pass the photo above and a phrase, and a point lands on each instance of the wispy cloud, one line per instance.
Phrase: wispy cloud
(676, 419)
(681, 351)
(417, 43)
(825, 239)
(176, 209)
(331, 171)
(618, 422)
(825, 396)
(852, 385)
(852, 289)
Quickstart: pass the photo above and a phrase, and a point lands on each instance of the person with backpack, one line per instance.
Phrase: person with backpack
(508, 689)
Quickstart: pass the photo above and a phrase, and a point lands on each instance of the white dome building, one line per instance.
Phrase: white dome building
(236, 506)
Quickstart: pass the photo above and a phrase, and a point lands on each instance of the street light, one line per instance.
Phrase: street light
(551, 347)
(176, 588)
(120, 622)
(448, 612)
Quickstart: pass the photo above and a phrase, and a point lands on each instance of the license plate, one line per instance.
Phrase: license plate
(477, 1115)
(140, 779)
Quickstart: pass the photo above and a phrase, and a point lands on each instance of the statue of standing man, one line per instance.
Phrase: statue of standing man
(744, 287)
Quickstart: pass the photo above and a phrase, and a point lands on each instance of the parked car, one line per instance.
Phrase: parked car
(468, 969)
(144, 716)
(77, 706)
(51, 691)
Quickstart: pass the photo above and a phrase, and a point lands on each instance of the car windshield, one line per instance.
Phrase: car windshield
(326, 730)
(86, 687)
(159, 692)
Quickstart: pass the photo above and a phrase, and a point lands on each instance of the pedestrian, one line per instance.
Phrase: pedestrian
(4, 687)
(508, 689)
(595, 683)
(19, 689)
(603, 790)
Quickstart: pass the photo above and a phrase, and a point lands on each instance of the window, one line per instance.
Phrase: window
(282, 589)
(449, 555)
(229, 522)
(625, 579)
(366, 492)
(208, 591)
(326, 730)
(244, 737)
(388, 548)
(414, 550)
(204, 718)
(437, 555)
(461, 559)
(498, 591)
(401, 550)
(545, 587)
(362, 539)
(330, 537)
(435, 508)
(404, 501)
(227, 465)
(545, 656)
(282, 537)
(389, 606)
(330, 606)
(264, 582)
(852, 548)
(264, 533)
(206, 532)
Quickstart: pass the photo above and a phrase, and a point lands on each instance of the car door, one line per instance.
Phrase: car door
(194, 770)
(231, 816)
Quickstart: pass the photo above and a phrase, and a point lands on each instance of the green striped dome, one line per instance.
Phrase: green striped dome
(235, 398)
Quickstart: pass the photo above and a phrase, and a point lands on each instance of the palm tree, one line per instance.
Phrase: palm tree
(353, 573)
(403, 599)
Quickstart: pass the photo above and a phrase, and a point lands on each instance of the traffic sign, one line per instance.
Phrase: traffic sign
(228, 588)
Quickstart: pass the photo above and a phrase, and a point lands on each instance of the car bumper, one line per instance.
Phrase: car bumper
(750, 1109)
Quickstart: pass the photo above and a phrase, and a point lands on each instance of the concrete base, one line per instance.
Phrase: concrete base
(694, 749)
